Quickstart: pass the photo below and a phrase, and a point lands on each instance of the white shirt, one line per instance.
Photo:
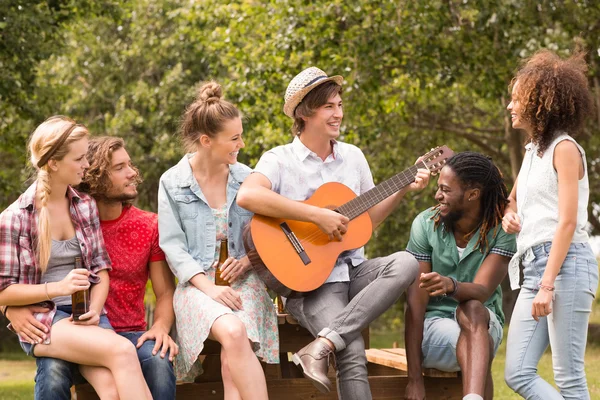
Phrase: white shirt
(296, 172)
(537, 203)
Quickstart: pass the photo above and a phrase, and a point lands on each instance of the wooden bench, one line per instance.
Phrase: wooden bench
(387, 373)
(392, 362)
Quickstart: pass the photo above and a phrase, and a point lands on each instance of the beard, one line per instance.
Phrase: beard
(118, 197)
(122, 198)
(451, 218)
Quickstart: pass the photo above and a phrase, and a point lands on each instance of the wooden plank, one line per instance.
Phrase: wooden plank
(382, 357)
(396, 358)
(382, 388)
(436, 373)
(398, 350)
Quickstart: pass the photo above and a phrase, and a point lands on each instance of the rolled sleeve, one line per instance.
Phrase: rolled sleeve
(172, 238)
(156, 253)
(505, 244)
(269, 166)
(418, 244)
(100, 259)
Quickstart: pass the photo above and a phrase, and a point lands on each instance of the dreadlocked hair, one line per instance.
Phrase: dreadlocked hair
(474, 170)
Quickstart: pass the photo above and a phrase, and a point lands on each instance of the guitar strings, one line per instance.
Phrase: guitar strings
(360, 204)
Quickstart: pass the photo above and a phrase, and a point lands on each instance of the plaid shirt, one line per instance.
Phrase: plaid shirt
(18, 237)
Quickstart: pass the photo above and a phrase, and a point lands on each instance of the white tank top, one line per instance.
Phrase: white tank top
(537, 202)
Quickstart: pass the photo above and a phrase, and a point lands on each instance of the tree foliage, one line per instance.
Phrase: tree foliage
(418, 74)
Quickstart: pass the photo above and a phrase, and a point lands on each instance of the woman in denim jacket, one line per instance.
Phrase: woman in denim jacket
(548, 210)
(196, 210)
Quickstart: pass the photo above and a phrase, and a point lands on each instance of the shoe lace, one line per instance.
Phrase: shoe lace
(324, 352)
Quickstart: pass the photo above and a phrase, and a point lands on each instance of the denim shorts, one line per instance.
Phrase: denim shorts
(63, 312)
(440, 336)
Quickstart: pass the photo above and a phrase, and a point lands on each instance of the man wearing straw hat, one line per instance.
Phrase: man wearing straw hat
(358, 290)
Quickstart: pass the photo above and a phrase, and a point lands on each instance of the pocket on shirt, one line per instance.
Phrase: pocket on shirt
(26, 253)
(187, 205)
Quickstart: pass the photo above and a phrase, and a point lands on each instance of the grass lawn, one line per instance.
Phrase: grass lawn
(17, 370)
(16, 376)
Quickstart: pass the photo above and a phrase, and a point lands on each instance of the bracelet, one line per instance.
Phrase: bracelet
(46, 287)
(546, 287)
(453, 292)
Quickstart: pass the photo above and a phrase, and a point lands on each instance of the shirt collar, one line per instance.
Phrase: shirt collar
(301, 151)
(28, 198)
(186, 175)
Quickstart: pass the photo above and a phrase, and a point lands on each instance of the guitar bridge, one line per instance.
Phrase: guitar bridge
(291, 236)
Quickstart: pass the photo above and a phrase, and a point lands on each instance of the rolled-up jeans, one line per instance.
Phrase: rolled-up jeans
(339, 311)
(564, 329)
(54, 377)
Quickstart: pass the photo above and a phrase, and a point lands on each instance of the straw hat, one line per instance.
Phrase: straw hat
(303, 83)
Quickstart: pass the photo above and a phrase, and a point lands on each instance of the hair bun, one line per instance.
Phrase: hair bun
(210, 92)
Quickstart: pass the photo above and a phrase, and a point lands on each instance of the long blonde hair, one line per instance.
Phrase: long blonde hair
(46, 138)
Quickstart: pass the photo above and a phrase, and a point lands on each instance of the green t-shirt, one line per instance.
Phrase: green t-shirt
(438, 247)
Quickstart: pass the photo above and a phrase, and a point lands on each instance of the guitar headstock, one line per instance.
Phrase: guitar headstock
(436, 159)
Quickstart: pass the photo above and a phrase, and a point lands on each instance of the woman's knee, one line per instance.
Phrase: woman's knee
(122, 349)
(516, 378)
(231, 333)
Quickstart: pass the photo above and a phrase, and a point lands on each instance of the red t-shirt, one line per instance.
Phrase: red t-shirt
(132, 243)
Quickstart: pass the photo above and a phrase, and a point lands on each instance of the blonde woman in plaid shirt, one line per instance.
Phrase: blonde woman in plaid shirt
(40, 235)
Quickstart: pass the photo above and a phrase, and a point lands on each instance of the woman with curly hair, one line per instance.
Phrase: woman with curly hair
(548, 210)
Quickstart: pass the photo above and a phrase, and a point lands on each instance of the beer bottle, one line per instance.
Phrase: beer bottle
(80, 301)
(279, 305)
(223, 256)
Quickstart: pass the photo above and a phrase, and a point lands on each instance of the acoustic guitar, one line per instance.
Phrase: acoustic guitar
(293, 257)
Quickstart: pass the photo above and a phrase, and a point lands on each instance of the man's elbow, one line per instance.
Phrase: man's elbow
(244, 198)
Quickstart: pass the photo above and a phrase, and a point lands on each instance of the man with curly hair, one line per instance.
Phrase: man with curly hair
(131, 239)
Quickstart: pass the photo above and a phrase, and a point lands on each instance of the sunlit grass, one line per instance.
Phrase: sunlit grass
(16, 376)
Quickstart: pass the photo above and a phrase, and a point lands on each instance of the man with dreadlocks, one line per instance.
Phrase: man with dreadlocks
(454, 318)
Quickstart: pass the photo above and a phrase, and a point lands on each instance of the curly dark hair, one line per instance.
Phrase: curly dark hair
(96, 181)
(475, 170)
(555, 94)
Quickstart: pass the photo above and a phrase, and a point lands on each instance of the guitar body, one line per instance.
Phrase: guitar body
(293, 257)
(276, 259)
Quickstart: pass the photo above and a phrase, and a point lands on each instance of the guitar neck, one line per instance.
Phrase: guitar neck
(385, 189)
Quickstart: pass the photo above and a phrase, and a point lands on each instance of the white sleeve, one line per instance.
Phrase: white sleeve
(270, 166)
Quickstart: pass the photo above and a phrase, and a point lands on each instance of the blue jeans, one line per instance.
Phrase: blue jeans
(54, 377)
(565, 329)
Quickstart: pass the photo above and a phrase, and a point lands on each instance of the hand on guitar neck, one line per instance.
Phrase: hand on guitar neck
(297, 254)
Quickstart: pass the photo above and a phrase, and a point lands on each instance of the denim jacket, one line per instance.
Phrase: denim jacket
(187, 230)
